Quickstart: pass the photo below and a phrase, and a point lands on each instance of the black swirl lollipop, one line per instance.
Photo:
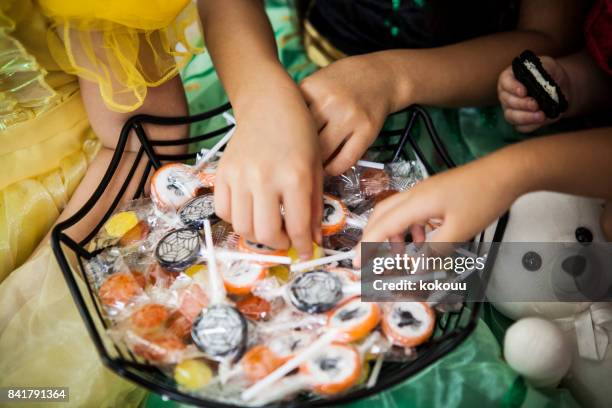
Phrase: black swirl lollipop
(197, 210)
(220, 331)
(315, 291)
(178, 249)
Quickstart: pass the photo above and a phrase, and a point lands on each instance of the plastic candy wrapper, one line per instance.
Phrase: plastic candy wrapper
(363, 186)
(236, 321)
(129, 226)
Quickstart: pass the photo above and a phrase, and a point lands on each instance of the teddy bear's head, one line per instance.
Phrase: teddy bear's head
(545, 276)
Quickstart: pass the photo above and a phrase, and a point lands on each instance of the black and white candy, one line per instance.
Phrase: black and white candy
(220, 331)
(178, 249)
(196, 211)
(315, 291)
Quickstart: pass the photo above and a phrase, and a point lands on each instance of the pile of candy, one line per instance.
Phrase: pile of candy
(240, 322)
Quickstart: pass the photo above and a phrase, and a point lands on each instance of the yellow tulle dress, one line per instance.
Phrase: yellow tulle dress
(46, 145)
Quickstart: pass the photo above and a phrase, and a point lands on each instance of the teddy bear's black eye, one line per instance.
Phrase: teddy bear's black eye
(583, 235)
(532, 261)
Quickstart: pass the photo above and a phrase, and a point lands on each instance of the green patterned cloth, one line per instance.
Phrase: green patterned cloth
(475, 373)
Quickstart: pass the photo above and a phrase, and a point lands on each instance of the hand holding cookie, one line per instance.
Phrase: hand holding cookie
(538, 97)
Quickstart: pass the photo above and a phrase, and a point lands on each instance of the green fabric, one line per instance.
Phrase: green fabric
(475, 373)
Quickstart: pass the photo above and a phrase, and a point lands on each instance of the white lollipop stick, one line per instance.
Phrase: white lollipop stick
(228, 255)
(213, 151)
(308, 352)
(303, 266)
(370, 164)
(375, 371)
(214, 278)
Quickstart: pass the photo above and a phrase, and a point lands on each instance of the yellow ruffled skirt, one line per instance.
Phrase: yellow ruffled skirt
(46, 145)
(43, 341)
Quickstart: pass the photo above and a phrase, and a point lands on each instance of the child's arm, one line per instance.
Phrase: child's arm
(586, 87)
(273, 158)
(167, 99)
(472, 196)
(462, 74)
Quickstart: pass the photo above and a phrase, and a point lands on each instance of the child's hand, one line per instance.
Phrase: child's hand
(467, 200)
(521, 110)
(257, 174)
(349, 101)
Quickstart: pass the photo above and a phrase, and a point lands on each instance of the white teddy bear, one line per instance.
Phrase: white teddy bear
(554, 341)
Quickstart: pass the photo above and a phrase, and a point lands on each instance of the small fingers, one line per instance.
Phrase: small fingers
(223, 204)
(349, 154)
(317, 204)
(298, 220)
(510, 84)
(330, 138)
(521, 118)
(511, 101)
(242, 213)
(267, 221)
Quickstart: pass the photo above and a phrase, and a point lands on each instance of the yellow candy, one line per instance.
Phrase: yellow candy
(192, 374)
(193, 270)
(119, 224)
(280, 272)
(317, 252)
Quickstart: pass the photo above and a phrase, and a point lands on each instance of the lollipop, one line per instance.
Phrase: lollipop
(178, 249)
(192, 300)
(192, 374)
(173, 184)
(197, 210)
(260, 361)
(119, 289)
(149, 317)
(254, 307)
(334, 215)
(408, 324)
(160, 347)
(373, 182)
(328, 371)
(220, 330)
(241, 277)
(119, 224)
(315, 291)
(138, 233)
(354, 319)
(334, 370)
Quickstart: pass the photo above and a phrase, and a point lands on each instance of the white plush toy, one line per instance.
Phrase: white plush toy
(553, 341)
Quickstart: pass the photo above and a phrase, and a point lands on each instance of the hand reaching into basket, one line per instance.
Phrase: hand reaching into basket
(467, 199)
(349, 100)
(255, 176)
(273, 158)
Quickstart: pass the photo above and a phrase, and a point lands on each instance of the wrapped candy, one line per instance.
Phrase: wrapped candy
(198, 209)
(178, 249)
(173, 185)
(238, 321)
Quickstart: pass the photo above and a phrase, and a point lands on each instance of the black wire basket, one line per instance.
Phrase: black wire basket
(453, 327)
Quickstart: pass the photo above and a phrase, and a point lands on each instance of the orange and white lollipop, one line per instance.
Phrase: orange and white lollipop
(354, 319)
(408, 324)
(173, 184)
